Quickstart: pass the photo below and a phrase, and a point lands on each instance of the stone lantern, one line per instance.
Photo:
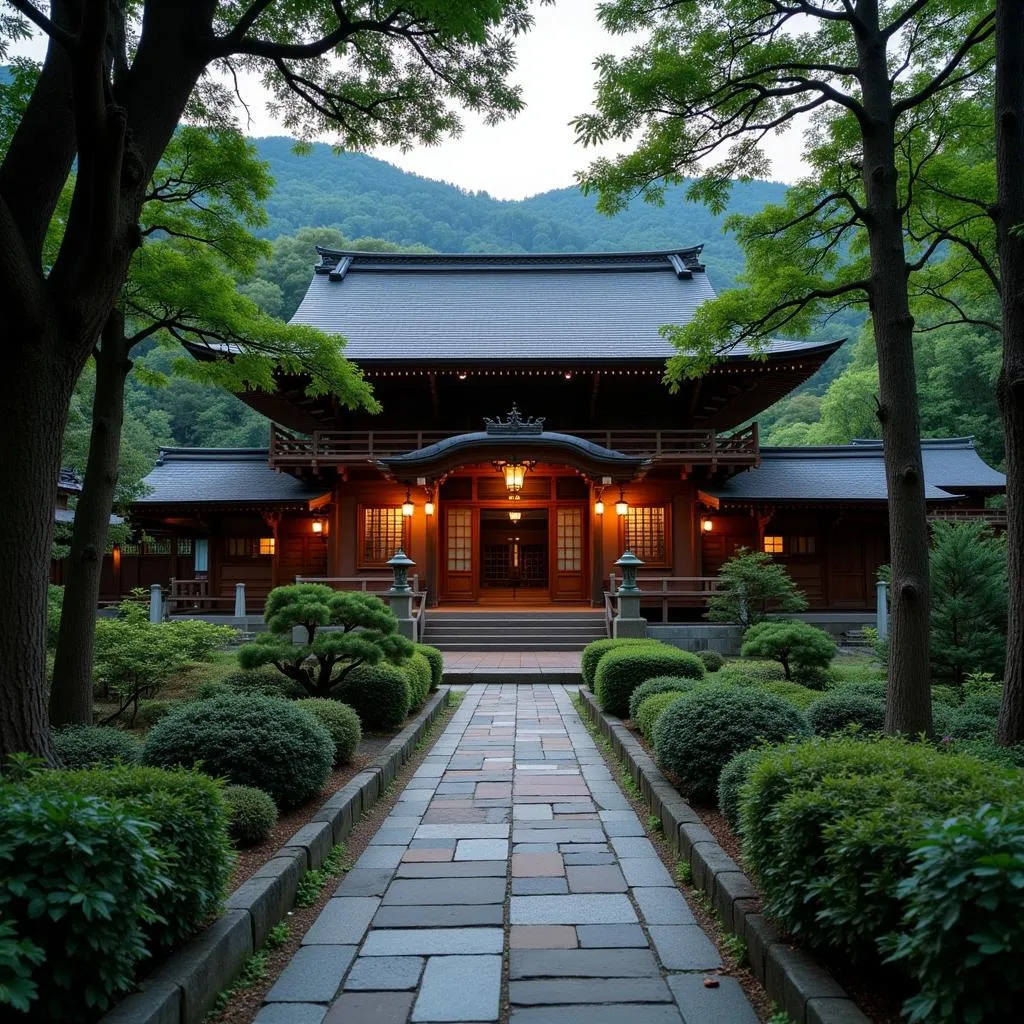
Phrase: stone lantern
(628, 621)
(629, 564)
(399, 597)
(400, 564)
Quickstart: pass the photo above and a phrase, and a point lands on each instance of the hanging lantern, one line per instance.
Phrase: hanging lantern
(515, 516)
(707, 525)
(621, 506)
(514, 473)
(599, 507)
(407, 506)
(428, 508)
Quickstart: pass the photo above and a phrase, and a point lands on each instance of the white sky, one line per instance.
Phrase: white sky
(537, 150)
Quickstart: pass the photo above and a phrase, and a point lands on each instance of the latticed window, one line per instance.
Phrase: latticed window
(459, 539)
(772, 545)
(645, 533)
(801, 545)
(241, 547)
(184, 545)
(158, 546)
(569, 535)
(383, 533)
(267, 545)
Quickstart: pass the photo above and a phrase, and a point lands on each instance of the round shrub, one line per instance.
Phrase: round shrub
(814, 678)
(797, 646)
(837, 710)
(969, 725)
(252, 814)
(265, 742)
(698, 734)
(659, 684)
(436, 660)
(380, 695)
(734, 774)
(417, 670)
(597, 649)
(265, 682)
(987, 704)
(82, 746)
(875, 688)
(799, 696)
(749, 673)
(151, 711)
(829, 827)
(621, 671)
(341, 722)
(651, 708)
(212, 688)
(711, 660)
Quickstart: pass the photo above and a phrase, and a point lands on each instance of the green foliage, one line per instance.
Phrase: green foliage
(83, 746)
(267, 682)
(964, 724)
(969, 602)
(213, 688)
(620, 671)
(341, 722)
(597, 649)
(196, 639)
(962, 935)
(82, 880)
(252, 815)
(829, 827)
(363, 632)
(696, 736)
(712, 660)
(731, 781)
(986, 749)
(752, 585)
(650, 710)
(313, 881)
(801, 697)
(947, 695)
(380, 695)
(191, 837)
(435, 659)
(55, 601)
(264, 742)
(420, 676)
(658, 684)
(836, 711)
(749, 673)
(874, 688)
(151, 711)
(796, 646)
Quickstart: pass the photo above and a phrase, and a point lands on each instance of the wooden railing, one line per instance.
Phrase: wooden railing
(688, 590)
(992, 516)
(195, 596)
(367, 584)
(345, 446)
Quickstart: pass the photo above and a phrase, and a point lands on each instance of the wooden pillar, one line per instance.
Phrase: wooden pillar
(432, 561)
(596, 547)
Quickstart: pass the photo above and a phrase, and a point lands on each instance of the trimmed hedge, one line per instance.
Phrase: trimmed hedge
(266, 742)
(829, 827)
(84, 746)
(266, 682)
(620, 672)
(659, 684)
(340, 720)
(597, 649)
(801, 697)
(651, 708)
(379, 694)
(730, 782)
(875, 688)
(711, 660)
(418, 672)
(436, 660)
(252, 814)
(695, 737)
(838, 710)
(750, 673)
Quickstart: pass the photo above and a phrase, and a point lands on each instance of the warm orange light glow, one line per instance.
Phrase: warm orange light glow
(267, 545)
(428, 508)
(772, 545)
(707, 525)
(599, 507)
(318, 526)
(515, 516)
(514, 474)
(407, 506)
(621, 506)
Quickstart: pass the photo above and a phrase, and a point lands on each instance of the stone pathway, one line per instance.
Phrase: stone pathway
(512, 871)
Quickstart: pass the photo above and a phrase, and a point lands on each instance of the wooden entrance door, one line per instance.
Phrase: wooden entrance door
(458, 569)
(567, 553)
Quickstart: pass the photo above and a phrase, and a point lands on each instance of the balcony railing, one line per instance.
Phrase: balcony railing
(337, 447)
(992, 516)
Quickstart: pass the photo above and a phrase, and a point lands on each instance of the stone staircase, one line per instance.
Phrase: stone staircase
(539, 630)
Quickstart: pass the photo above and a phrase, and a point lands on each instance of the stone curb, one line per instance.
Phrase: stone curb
(796, 983)
(186, 986)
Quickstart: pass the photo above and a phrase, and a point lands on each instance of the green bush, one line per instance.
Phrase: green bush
(436, 659)
(875, 688)
(986, 749)
(191, 837)
(962, 933)
(380, 695)
(341, 722)
(597, 649)
(862, 672)
(651, 708)
(82, 746)
(265, 742)
(54, 605)
(969, 725)
(621, 671)
(711, 660)
(151, 711)
(659, 684)
(265, 682)
(212, 688)
(839, 709)
(801, 697)
(419, 674)
(798, 647)
(197, 639)
(749, 673)
(730, 782)
(696, 736)
(829, 826)
(751, 585)
(82, 880)
(252, 814)
(950, 696)
(987, 704)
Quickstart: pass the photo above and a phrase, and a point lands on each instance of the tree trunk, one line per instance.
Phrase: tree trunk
(908, 706)
(71, 696)
(34, 397)
(1009, 104)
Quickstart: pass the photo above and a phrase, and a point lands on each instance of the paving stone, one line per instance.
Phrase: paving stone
(582, 963)
(469, 831)
(584, 848)
(313, 975)
(588, 859)
(595, 879)
(575, 807)
(370, 1008)
(643, 871)
(380, 857)
(447, 891)
(702, 1005)
(454, 869)
(539, 812)
(382, 973)
(535, 848)
(540, 886)
(610, 936)
(459, 988)
(536, 865)
(542, 936)
(427, 856)
(593, 908)
(291, 1013)
(433, 844)
(439, 916)
(631, 846)
(609, 1013)
(386, 836)
(624, 828)
(482, 849)
(684, 947)
(343, 920)
(432, 941)
(663, 906)
(365, 882)
(588, 990)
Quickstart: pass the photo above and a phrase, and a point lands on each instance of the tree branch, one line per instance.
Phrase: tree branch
(61, 35)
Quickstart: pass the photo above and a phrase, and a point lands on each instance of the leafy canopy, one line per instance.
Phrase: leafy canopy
(795, 645)
(752, 585)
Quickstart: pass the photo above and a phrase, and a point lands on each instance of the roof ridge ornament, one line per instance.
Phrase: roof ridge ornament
(515, 424)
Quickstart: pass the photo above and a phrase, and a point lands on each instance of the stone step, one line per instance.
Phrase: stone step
(503, 644)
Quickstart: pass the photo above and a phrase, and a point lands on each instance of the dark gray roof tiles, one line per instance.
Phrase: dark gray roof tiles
(466, 307)
(185, 476)
(856, 472)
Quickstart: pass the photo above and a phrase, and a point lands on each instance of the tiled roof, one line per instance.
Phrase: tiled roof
(464, 307)
(223, 476)
(856, 472)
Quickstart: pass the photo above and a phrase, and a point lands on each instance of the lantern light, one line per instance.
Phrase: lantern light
(428, 508)
(407, 506)
(707, 525)
(319, 527)
(599, 507)
(513, 473)
(515, 516)
(621, 506)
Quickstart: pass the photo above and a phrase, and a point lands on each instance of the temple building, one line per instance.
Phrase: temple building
(527, 439)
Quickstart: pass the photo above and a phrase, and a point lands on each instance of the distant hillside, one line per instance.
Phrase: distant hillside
(365, 197)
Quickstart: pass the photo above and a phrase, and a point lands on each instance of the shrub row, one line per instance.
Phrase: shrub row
(651, 709)
(621, 670)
